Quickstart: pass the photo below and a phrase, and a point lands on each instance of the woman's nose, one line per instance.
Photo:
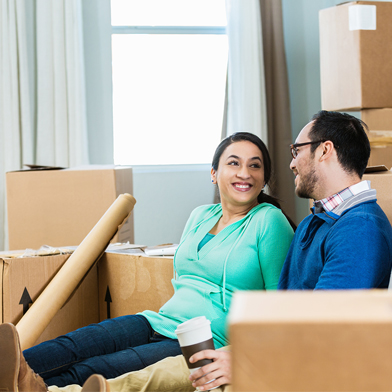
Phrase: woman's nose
(243, 172)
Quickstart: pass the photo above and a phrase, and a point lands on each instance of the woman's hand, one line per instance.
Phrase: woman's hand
(219, 370)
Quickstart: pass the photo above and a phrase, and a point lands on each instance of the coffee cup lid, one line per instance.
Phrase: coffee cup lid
(194, 323)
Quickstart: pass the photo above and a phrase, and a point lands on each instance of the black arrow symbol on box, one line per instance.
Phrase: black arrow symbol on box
(108, 299)
(25, 300)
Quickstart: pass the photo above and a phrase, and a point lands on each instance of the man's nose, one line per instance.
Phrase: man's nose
(292, 164)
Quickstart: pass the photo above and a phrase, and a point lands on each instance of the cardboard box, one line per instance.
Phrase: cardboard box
(23, 279)
(311, 341)
(379, 122)
(60, 207)
(132, 282)
(381, 180)
(355, 55)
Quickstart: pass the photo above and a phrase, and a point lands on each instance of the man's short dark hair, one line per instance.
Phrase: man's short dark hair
(348, 135)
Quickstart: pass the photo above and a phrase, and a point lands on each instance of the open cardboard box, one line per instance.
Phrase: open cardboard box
(22, 279)
(123, 281)
(131, 281)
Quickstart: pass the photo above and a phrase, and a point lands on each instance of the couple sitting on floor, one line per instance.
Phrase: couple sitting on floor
(243, 243)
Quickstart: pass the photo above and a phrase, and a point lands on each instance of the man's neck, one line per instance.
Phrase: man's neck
(333, 187)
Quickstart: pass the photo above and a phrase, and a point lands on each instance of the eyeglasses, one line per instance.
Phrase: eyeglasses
(294, 147)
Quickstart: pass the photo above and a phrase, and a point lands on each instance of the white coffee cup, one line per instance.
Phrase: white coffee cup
(195, 335)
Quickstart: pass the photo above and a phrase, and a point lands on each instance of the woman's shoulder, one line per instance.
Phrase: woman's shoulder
(202, 212)
(207, 209)
(267, 208)
(269, 215)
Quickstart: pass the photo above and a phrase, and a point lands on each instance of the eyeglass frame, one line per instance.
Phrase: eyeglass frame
(293, 147)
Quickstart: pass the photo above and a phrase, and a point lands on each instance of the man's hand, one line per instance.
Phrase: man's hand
(219, 370)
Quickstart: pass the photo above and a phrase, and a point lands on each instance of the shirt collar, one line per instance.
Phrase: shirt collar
(331, 202)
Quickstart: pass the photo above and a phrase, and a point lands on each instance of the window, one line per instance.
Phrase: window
(169, 61)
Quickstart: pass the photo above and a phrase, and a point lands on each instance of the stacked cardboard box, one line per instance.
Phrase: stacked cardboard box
(381, 180)
(356, 68)
(355, 55)
(60, 207)
(379, 122)
(311, 341)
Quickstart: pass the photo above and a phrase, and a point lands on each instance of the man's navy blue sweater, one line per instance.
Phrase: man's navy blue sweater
(348, 251)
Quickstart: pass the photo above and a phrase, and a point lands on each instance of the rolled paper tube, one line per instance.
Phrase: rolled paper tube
(57, 292)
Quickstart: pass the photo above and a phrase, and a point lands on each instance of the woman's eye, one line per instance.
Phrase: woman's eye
(256, 165)
(233, 163)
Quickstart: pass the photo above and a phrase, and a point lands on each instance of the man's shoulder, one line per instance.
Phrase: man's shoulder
(367, 218)
(368, 210)
(366, 213)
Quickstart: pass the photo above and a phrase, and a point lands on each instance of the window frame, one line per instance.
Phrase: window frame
(197, 30)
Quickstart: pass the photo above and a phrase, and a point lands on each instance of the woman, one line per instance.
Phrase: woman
(239, 244)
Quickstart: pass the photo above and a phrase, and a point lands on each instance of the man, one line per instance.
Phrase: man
(346, 243)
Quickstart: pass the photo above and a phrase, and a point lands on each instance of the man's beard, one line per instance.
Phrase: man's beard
(305, 188)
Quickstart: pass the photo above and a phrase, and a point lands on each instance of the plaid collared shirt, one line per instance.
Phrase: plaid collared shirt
(331, 202)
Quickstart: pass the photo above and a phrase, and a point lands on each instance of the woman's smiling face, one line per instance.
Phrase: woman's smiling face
(240, 174)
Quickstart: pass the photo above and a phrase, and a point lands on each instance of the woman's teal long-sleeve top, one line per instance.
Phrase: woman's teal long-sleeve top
(246, 255)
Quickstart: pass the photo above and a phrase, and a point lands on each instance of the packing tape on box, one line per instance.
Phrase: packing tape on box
(380, 138)
(56, 294)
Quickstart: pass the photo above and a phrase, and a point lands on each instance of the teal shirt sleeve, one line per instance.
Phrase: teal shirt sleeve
(274, 243)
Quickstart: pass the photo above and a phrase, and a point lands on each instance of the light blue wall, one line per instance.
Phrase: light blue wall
(165, 197)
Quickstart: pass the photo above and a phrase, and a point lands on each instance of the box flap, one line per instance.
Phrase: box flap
(38, 167)
(374, 169)
(43, 251)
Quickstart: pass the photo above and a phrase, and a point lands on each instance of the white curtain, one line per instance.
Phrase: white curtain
(42, 88)
(246, 110)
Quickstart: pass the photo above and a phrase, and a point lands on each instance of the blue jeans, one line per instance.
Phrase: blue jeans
(111, 348)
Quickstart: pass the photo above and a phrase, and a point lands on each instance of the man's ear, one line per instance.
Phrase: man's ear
(327, 149)
(213, 176)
